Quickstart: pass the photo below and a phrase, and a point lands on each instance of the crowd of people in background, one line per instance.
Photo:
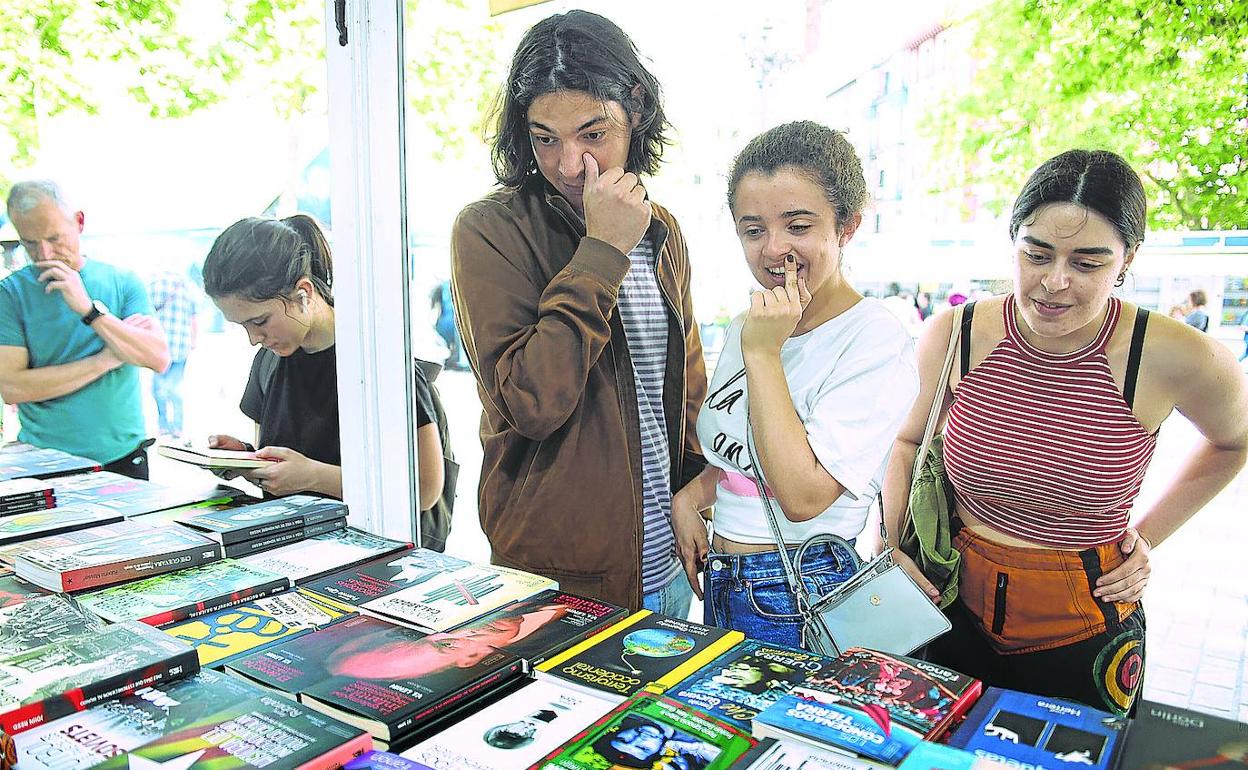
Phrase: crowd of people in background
(611, 465)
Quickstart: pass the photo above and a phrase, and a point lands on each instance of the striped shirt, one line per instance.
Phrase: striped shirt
(1042, 446)
(644, 314)
(174, 305)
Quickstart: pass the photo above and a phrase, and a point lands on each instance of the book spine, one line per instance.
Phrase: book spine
(185, 663)
(325, 512)
(245, 547)
(483, 685)
(190, 611)
(265, 529)
(145, 566)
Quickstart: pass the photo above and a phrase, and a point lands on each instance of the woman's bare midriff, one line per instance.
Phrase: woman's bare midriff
(724, 545)
(997, 536)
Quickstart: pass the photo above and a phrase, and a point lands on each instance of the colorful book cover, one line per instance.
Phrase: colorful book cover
(266, 517)
(381, 577)
(285, 537)
(1163, 736)
(514, 732)
(9, 553)
(18, 461)
(384, 760)
(206, 721)
(31, 526)
(650, 731)
(187, 593)
(227, 635)
(41, 621)
(543, 625)
(116, 559)
(1016, 727)
(323, 554)
(875, 705)
(643, 649)
(771, 754)
(14, 590)
(748, 678)
(937, 756)
(127, 496)
(73, 674)
(458, 596)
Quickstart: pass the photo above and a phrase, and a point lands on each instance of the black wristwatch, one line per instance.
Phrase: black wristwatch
(97, 309)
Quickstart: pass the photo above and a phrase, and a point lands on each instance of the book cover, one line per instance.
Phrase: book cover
(746, 679)
(875, 705)
(1016, 727)
(207, 721)
(18, 461)
(187, 593)
(213, 459)
(380, 577)
(26, 494)
(323, 554)
(10, 552)
(514, 732)
(543, 625)
(229, 634)
(650, 731)
(43, 620)
(285, 537)
(454, 597)
(14, 590)
(384, 760)
(56, 679)
(32, 526)
(643, 649)
(127, 496)
(115, 559)
(1163, 736)
(265, 518)
(937, 756)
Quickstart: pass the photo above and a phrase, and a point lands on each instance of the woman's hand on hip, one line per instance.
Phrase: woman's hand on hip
(692, 544)
(1126, 582)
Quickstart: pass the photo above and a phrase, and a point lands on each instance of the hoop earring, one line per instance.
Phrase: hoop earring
(1122, 278)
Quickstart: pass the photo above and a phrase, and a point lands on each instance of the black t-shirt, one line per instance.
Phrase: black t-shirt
(298, 408)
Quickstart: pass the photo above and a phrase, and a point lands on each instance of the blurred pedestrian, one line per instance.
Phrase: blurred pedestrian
(173, 301)
(1196, 317)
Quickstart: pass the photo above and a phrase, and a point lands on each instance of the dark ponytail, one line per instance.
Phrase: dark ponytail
(261, 258)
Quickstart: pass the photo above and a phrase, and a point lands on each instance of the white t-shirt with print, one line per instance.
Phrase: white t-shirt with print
(852, 380)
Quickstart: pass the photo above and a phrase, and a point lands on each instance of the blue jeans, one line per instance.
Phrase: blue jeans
(672, 599)
(748, 592)
(167, 390)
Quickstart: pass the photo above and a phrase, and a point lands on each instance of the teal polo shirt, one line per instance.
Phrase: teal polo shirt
(104, 419)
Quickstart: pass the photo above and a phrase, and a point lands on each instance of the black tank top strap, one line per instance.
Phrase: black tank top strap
(1133, 356)
(964, 338)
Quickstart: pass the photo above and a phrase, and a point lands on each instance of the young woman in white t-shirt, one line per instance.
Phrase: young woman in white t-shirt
(825, 376)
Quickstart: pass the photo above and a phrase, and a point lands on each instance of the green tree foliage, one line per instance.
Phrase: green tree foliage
(1162, 82)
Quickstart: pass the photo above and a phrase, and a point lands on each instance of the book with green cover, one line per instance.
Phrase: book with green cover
(43, 620)
(188, 593)
(226, 635)
(14, 590)
(455, 597)
(648, 731)
(643, 650)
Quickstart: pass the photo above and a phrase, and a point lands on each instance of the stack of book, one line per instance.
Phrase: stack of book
(23, 461)
(24, 495)
(110, 560)
(322, 555)
(104, 490)
(267, 524)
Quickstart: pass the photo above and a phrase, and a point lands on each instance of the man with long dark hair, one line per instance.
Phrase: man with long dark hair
(572, 290)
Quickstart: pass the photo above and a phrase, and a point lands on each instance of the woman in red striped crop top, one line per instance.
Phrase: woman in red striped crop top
(1056, 396)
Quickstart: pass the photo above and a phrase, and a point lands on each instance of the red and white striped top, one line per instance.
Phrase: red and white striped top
(1042, 446)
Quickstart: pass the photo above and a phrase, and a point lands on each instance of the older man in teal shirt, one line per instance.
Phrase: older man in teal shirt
(73, 333)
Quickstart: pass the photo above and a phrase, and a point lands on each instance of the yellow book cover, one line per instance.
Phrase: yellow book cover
(244, 629)
(643, 651)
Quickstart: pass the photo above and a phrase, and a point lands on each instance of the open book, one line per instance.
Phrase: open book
(213, 458)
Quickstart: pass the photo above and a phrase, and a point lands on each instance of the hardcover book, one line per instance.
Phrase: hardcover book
(127, 496)
(9, 553)
(14, 590)
(514, 732)
(323, 554)
(187, 593)
(1016, 727)
(41, 621)
(227, 635)
(746, 679)
(115, 559)
(207, 721)
(871, 704)
(285, 537)
(543, 625)
(380, 577)
(20, 495)
(651, 731)
(39, 524)
(643, 649)
(1163, 736)
(56, 679)
(20, 461)
(264, 518)
(455, 597)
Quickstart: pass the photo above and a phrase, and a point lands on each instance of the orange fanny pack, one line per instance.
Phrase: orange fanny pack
(1028, 600)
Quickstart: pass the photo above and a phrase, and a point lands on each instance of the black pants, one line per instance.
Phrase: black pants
(134, 464)
(1105, 671)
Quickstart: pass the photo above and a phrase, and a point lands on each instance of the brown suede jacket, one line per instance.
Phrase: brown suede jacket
(535, 298)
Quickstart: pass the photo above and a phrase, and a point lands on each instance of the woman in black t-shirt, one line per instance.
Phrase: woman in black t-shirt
(274, 278)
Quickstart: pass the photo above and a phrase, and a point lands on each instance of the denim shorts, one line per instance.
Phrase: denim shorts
(748, 592)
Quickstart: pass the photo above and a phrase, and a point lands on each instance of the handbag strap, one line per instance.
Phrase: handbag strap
(933, 414)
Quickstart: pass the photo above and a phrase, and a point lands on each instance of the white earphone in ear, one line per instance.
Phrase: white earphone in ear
(303, 295)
